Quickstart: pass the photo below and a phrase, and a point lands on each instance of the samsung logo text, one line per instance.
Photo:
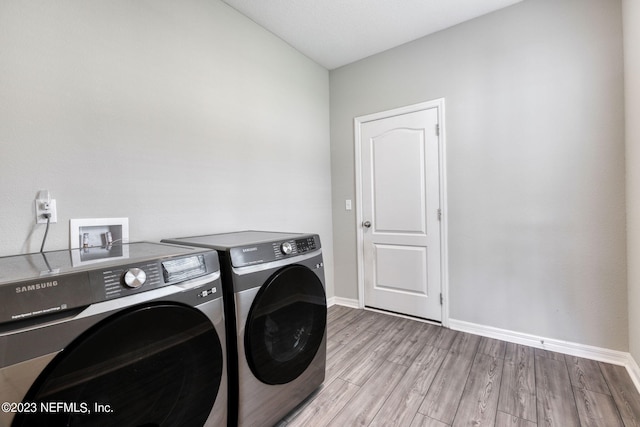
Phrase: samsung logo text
(36, 287)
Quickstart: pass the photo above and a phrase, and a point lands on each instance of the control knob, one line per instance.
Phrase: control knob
(135, 277)
(286, 248)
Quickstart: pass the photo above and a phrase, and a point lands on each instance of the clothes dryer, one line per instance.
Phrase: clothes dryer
(274, 290)
(126, 335)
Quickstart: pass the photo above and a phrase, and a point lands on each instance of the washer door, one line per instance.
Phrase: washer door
(286, 325)
(152, 365)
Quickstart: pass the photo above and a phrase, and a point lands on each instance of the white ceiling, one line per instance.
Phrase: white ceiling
(337, 32)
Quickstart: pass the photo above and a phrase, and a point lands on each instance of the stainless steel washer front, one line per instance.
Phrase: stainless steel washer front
(153, 355)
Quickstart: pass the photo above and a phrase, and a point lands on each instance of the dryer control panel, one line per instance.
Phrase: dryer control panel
(293, 247)
(273, 251)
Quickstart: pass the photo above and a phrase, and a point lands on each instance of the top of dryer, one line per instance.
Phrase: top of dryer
(254, 247)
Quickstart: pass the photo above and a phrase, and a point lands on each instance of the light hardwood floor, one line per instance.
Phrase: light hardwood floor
(385, 370)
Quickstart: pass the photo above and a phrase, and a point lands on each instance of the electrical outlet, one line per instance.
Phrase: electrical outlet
(43, 208)
(46, 205)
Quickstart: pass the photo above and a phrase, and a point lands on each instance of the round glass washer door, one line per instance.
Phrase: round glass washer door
(286, 325)
(151, 365)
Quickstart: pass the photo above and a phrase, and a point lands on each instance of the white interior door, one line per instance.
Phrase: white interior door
(401, 212)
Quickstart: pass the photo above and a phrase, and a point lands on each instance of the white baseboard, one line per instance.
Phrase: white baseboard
(613, 357)
(566, 347)
(634, 371)
(347, 302)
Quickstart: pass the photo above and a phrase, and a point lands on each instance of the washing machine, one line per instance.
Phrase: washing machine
(125, 335)
(274, 290)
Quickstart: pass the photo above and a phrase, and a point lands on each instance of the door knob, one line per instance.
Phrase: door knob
(366, 224)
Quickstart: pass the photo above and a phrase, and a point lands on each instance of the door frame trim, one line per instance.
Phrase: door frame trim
(444, 260)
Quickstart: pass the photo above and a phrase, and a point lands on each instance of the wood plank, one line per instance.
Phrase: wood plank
(518, 389)
(624, 393)
(403, 403)
(586, 374)
(479, 402)
(340, 359)
(409, 348)
(340, 319)
(465, 345)
(596, 409)
(442, 337)
(326, 404)
(549, 354)
(382, 322)
(555, 400)
(354, 341)
(492, 347)
(336, 311)
(365, 321)
(360, 370)
(369, 399)
(446, 390)
(346, 336)
(423, 421)
(506, 420)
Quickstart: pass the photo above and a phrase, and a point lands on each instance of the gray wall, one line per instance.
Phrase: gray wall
(631, 13)
(535, 147)
(185, 117)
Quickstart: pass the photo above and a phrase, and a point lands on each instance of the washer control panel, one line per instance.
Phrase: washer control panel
(121, 280)
(127, 279)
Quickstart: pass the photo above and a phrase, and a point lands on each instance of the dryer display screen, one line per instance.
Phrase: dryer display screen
(305, 245)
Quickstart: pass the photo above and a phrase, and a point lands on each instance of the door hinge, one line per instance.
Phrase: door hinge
(441, 299)
(438, 130)
(439, 214)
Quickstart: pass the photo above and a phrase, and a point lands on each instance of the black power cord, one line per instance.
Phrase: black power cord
(46, 231)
